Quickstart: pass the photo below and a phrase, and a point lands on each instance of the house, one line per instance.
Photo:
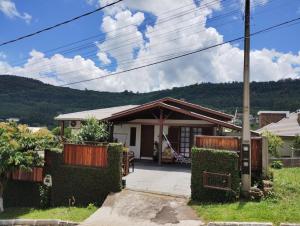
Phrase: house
(12, 119)
(287, 128)
(140, 126)
(267, 117)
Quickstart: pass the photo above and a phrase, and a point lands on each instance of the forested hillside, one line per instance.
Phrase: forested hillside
(37, 103)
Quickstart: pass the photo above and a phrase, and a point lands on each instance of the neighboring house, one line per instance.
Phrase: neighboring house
(36, 129)
(139, 126)
(12, 119)
(287, 128)
(267, 117)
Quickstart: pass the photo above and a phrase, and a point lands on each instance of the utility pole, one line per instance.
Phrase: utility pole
(246, 136)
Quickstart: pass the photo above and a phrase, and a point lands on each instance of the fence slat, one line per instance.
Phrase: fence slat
(86, 155)
(35, 175)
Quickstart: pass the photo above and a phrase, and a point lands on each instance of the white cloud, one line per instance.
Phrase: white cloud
(10, 10)
(215, 65)
(2, 55)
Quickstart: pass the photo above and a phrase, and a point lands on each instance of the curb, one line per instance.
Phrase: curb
(239, 224)
(32, 222)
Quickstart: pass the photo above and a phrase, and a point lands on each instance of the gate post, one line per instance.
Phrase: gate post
(265, 156)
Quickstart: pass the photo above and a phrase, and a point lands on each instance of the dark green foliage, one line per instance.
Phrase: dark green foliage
(37, 104)
(84, 185)
(67, 132)
(93, 131)
(216, 161)
(21, 194)
(277, 164)
(45, 194)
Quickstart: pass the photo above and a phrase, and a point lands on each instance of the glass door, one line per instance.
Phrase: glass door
(185, 141)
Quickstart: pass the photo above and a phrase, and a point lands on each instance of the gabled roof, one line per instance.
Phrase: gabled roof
(162, 105)
(99, 114)
(286, 127)
(194, 107)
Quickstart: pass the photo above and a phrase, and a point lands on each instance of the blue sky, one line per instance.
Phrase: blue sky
(46, 13)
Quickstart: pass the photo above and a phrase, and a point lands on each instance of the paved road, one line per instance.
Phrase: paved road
(166, 179)
(131, 208)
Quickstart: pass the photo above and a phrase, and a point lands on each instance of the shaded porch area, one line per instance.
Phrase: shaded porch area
(170, 179)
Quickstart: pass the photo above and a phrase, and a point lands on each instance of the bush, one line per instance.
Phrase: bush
(67, 132)
(274, 142)
(277, 164)
(296, 144)
(216, 161)
(93, 131)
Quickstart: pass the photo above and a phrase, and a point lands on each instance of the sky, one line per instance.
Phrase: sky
(134, 33)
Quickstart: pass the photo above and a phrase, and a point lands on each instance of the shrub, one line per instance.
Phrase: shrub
(67, 132)
(216, 161)
(296, 144)
(93, 131)
(274, 143)
(277, 164)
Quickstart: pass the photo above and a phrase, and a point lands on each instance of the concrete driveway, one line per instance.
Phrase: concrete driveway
(134, 208)
(171, 179)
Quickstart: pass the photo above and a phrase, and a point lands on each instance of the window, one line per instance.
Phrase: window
(185, 141)
(132, 136)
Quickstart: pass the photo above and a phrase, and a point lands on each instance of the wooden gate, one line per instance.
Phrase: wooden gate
(233, 144)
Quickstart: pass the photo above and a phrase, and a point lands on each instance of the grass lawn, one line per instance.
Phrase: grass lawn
(76, 214)
(284, 207)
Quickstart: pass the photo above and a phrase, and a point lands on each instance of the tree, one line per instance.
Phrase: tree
(274, 143)
(19, 149)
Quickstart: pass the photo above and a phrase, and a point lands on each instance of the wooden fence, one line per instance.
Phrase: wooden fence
(85, 155)
(35, 175)
(233, 144)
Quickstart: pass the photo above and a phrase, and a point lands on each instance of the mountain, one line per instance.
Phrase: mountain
(36, 103)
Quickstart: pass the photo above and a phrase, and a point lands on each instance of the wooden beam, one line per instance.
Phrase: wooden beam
(160, 135)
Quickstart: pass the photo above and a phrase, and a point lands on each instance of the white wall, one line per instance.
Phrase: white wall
(122, 133)
(286, 149)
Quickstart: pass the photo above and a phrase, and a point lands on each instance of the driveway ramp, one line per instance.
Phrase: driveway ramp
(134, 208)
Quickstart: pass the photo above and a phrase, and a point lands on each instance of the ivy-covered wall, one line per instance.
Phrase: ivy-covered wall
(79, 185)
(216, 161)
(21, 194)
(82, 185)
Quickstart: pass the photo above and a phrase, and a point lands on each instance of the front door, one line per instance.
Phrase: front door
(147, 141)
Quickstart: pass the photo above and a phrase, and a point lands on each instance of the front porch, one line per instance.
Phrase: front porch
(169, 179)
(167, 125)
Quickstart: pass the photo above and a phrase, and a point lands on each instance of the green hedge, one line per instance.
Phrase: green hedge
(85, 184)
(21, 194)
(217, 161)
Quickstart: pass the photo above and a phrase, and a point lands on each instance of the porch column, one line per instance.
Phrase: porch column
(62, 129)
(160, 136)
(111, 132)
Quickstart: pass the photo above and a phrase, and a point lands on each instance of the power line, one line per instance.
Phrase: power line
(288, 22)
(127, 61)
(186, 54)
(165, 19)
(59, 24)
